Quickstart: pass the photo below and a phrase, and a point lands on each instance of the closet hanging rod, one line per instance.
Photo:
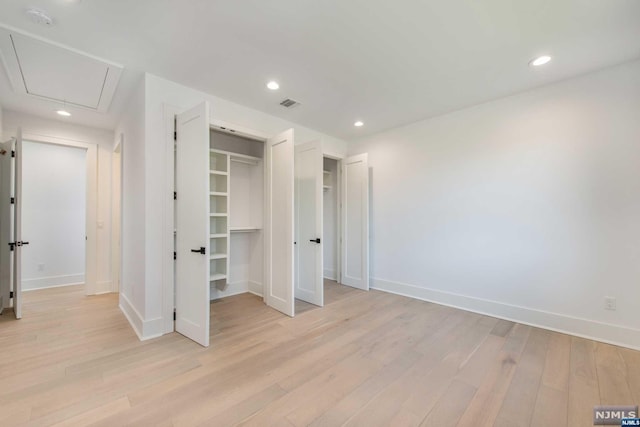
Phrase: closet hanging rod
(245, 161)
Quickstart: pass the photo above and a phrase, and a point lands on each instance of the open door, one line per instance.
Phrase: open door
(192, 222)
(17, 228)
(355, 222)
(309, 285)
(6, 224)
(278, 290)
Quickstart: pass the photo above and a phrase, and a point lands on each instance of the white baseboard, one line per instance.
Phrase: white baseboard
(235, 288)
(329, 274)
(598, 331)
(144, 329)
(103, 288)
(52, 281)
(256, 288)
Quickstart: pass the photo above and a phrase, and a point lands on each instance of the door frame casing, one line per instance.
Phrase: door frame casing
(116, 217)
(91, 244)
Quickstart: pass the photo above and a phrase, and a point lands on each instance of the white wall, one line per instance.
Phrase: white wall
(53, 215)
(46, 128)
(132, 286)
(526, 208)
(330, 220)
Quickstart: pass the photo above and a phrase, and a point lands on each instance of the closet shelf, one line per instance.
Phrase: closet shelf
(218, 215)
(326, 172)
(218, 256)
(215, 277)
(243, 158)
(215, 172)
(244, 229)
(218, 193)
(217, 236)
(326, 187)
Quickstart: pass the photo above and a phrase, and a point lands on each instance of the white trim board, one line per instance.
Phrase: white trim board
(144, 329)
(52, 281)
(255, 288)
(237, 288)
(584, 328)
(105, 287)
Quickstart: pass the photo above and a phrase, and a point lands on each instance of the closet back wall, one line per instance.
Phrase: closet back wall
(525, 208)
(53, 214)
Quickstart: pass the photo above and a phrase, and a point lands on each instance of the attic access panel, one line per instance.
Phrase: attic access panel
(46, 70)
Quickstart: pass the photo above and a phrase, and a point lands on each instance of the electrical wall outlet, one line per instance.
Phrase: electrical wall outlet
(610, 303)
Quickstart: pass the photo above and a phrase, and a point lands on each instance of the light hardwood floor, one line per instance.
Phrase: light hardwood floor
(366, 359)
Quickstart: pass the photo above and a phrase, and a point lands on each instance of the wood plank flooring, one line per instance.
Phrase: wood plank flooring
(365, 359)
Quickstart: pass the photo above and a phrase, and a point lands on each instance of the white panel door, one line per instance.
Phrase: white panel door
(192, 224)
(17, 229)
(6, 223)
(279, 230)
(309, 285)
(355, 222)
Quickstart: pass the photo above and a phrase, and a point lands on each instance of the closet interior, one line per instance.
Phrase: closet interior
(236, 185)
(331, 230)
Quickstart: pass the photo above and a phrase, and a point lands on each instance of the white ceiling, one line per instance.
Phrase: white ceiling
(385, 62)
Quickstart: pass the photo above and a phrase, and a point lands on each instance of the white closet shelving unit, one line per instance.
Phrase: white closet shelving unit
(326, 180)
(236, 214)
(219, 217)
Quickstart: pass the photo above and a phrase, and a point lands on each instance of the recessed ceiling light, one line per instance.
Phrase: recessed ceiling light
(273, 85)
(358, 124)
(541, 60)
(63, 113)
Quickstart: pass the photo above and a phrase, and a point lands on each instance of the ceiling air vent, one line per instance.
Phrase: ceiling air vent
(289, 103)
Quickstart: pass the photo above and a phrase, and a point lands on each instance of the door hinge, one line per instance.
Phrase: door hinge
(13, 153)
(174, 315)
(175, 195)
(12, 246)
(175, 135)
(175, 256)
(11, 294)
(13, 200)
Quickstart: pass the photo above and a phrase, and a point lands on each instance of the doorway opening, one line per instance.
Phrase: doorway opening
(333, 289)
(58, 218)
(54, 199)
